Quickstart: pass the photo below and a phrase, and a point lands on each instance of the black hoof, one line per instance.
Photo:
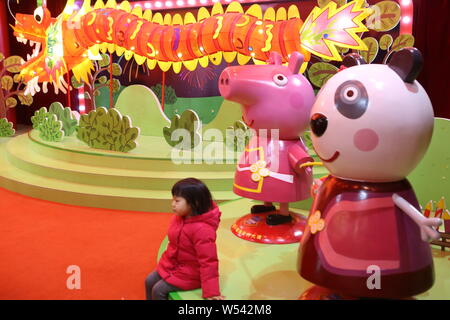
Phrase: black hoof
(260, 208)
(276, 219)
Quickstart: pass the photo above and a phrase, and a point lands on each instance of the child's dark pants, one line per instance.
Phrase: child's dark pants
(156, 288)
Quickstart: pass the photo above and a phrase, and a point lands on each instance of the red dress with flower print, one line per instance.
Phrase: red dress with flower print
(268, 170)
(355, 227)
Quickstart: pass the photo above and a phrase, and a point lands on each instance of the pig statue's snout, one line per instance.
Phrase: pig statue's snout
(225, 84)
(224, 81)
(237, 86)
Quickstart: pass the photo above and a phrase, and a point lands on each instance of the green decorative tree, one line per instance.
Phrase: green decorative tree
(169, 94)
(320, 72)
(11, 84)
(402, 41)
(98, 80)
(385, 17)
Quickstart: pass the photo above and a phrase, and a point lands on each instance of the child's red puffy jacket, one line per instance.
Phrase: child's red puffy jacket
(190, 260)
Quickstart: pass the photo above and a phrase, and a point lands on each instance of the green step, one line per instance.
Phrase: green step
(75, 151)
(33, 184)
(18, 151)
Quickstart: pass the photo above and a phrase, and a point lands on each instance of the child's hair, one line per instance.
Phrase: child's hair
(195, 192)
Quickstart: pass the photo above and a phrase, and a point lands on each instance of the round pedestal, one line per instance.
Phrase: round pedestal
(253, 227)
(320, 293)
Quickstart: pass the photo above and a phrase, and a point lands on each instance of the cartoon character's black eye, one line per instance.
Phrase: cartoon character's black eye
(319, 124)
(39, 14)
(280, 80)
(351, 99)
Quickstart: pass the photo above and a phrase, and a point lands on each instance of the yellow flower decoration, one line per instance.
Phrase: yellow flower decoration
(315, 223)
(259, 170)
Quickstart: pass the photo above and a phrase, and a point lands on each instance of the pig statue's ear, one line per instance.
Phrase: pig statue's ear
(275, 58)
(352, 59)
(295, 62)
(407, 63)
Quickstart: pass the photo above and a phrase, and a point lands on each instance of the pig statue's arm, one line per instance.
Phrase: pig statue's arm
(425, 224)
(297, 157)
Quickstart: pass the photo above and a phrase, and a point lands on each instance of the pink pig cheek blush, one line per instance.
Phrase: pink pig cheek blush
(365, 140)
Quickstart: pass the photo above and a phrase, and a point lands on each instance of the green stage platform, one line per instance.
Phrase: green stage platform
(72, 173)
(253, 271)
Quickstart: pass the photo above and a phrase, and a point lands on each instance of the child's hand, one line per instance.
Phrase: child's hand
(216, 298)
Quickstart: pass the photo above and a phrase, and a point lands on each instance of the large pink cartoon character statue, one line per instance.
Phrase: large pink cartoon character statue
(366, 236)
(276, 102)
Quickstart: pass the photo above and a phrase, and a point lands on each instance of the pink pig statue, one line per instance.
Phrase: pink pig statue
(366, 237)
(276, 101)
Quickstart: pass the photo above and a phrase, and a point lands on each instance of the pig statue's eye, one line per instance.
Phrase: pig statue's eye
(351, 99)
(280, 80)
(39, 14)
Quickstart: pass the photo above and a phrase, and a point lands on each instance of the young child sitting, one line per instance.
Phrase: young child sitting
(190, 260)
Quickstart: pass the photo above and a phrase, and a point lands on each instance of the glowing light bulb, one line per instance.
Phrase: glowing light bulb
(169, 3)
(406, 2)
(406, 19)
(158, 4)
(180, 3)
(191, 2)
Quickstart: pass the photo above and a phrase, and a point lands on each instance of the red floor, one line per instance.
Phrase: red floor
(39, 240)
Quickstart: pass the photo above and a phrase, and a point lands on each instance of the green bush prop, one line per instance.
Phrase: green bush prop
(107, 130)
(65, 116)
(238, 136)
(39, 117)
(189, 121)
(170, 96)
(6, 128)
(50, 129)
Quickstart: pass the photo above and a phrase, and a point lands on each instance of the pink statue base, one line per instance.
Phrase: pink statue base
(253, 227)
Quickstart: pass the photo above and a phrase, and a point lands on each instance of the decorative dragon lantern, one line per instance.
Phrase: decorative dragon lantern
(78, 34)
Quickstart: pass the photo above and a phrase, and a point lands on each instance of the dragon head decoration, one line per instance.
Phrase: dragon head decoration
(53, 55)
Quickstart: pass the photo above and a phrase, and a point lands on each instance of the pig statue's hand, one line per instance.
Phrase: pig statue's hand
(299, 159)
(303, 164)
(427, 225)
